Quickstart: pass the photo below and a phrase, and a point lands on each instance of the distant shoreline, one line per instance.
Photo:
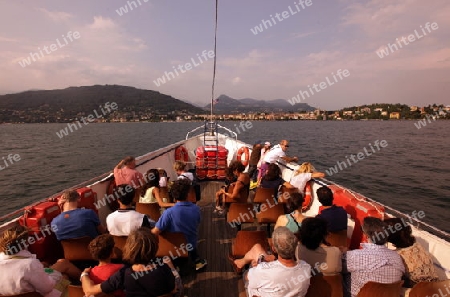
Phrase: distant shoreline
(237, 120)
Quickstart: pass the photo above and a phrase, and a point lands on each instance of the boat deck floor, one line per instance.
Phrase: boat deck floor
(214, 245)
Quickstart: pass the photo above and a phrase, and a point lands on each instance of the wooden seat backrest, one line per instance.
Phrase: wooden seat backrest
(76, 249)
(373, 289)
(430, 288)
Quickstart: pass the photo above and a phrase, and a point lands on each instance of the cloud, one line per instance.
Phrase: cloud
(102, 23)
(300, 35)
(237, 80)
(56, 16)
(6, 39)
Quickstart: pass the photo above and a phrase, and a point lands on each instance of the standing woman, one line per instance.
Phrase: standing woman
(264, 150)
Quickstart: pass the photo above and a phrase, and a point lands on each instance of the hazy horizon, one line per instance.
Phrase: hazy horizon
(393, 52)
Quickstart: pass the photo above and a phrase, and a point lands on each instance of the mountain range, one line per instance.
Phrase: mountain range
(72, 101)
(228, 105)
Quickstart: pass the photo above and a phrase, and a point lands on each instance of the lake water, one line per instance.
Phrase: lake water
(411, 173)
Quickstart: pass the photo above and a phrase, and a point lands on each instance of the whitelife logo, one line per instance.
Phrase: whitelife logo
(49, 49)
(411, 38)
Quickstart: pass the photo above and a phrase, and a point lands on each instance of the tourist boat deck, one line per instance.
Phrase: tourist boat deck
(215, 234)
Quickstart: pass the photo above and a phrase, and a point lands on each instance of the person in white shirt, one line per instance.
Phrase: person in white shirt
(285, 277)
(276, 153)
(303, 174)
(21, 272)
(125, 220)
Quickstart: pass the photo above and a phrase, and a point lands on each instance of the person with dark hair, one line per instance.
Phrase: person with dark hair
(273, 180)
(241, 188)
(293, 220)
(126, 219)
(374, 262)
(336, 216)
(253, 161)
(315, 250)
(101, 249)
(142, 276)
(74, 222)
(184, 217)
(150, 191)
(163, 178)
(284, 277)
(125, 173)
(418, 262)
(21, 272)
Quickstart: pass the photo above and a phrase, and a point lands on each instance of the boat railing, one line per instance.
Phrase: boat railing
(419, 224)
(211, 127)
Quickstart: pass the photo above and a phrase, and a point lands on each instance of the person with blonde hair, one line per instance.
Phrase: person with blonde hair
(303, 174)
(143, 275)
(21, 272)
(180, 169)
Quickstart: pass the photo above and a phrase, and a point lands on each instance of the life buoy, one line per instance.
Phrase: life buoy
(181, 154)
(307, 198)
(243, 151)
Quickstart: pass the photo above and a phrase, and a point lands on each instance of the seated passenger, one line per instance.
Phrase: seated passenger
(180, 169)
(101, 249)
(283, 277)
(314, 250)
(241, 189)
(21, 272)
(142, 276)
(74, 222)
(418, 262)
(150, 191)
(374, 262)
(253, 160)
(303, 174)
(336, 216)
(184, 217)
(273, 180)
(126, 219)
(293, 220)
(163, 179)
(125, 173)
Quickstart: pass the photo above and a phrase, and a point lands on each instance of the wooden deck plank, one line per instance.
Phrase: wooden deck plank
(218, 278)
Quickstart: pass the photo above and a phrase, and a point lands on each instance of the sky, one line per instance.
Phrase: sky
(298, 44)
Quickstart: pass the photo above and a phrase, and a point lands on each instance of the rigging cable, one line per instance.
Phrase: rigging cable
(215, 55)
